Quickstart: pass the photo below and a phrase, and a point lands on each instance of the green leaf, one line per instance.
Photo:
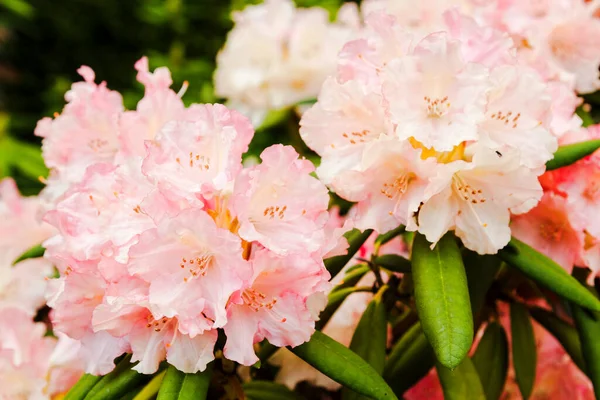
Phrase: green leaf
(461, 382)
(524, 351)
(118, 386)
(82, 387)
(588, 327)
(34, 252)
(266, 351)
(386, 237)
(563, 332)
(151, 389)
(481, 271)
(171, 384)
(343, 366)
(410, 360)
(547, 273)
(370, 338)
(355, 239)
(585, 116)
(177, 385)
(570, 153)
(352, 277)
(394, 263)
(335, 299)
(122, 366)
(442, 298)
(265, 390)
(491, 360)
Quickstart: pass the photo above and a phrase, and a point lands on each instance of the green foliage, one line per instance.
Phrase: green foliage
(491, 360)
(523, 348)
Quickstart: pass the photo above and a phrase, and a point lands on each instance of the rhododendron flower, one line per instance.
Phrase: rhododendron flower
(277, 55)
(21, 285)
(164, 243)
(448, 132)
(33, 366)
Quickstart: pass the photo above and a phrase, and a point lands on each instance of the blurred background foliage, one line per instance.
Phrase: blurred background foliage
(44, 42)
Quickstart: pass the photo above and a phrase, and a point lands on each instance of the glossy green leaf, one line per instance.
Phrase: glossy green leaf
(481, 271)
(151, 389)
(352, 277)
(177, 385)
(442, 298)
(460, 383)
(122, 384)
(355, 239)
(370, 338)
(588, 327)
(410, 360)
(547, 273)
(171, 384)
(394, 263)
(570, 153)
(491, 360)
(343, 366)
(335, 299)
(34, 252)
(83, 386)
(563, 331)
(122, 366)
(386, 237)
(524, 353)
(265, 390)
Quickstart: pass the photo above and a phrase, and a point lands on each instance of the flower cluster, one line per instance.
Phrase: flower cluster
(565, 225)
(449, 132)
(278, 55)
(164, 237)
(31, 366)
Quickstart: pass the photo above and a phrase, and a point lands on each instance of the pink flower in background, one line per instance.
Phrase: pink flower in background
(21, 285)
(33, 366)
(278, 55)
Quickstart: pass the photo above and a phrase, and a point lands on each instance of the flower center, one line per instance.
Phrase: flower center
(592, 189)
(509, 118)
(275, 212)
(197, 266)
(156, 324)
(436, 107)
(466, 191)
(552, 230)
(444, 157)
(197, 161)
(258, 301)
(399, 186)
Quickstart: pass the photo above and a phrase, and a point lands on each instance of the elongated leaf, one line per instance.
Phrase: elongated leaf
(195, 386)
(34, 252)
(171, 384)
(481, 271)
(265, 390)
(355, 239)
(335, 299)
(83, 386)
(460, 383)
(370, 339)
(386, 237)
(352, 277)
(568, 154)
(120, 385)
(563, 332)
(442, 298)
(151, 389)
(524, 351)
(491, 360)
(394, 263)
(548, 273)
(343, 366)
(123, 365)
(588, 327)
(177, 385)
(410, 360)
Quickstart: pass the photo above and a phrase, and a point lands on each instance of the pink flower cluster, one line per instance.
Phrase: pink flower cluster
(31, 366)
(449, 132)
(566, 224)
(278, 55)
(164, 237)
